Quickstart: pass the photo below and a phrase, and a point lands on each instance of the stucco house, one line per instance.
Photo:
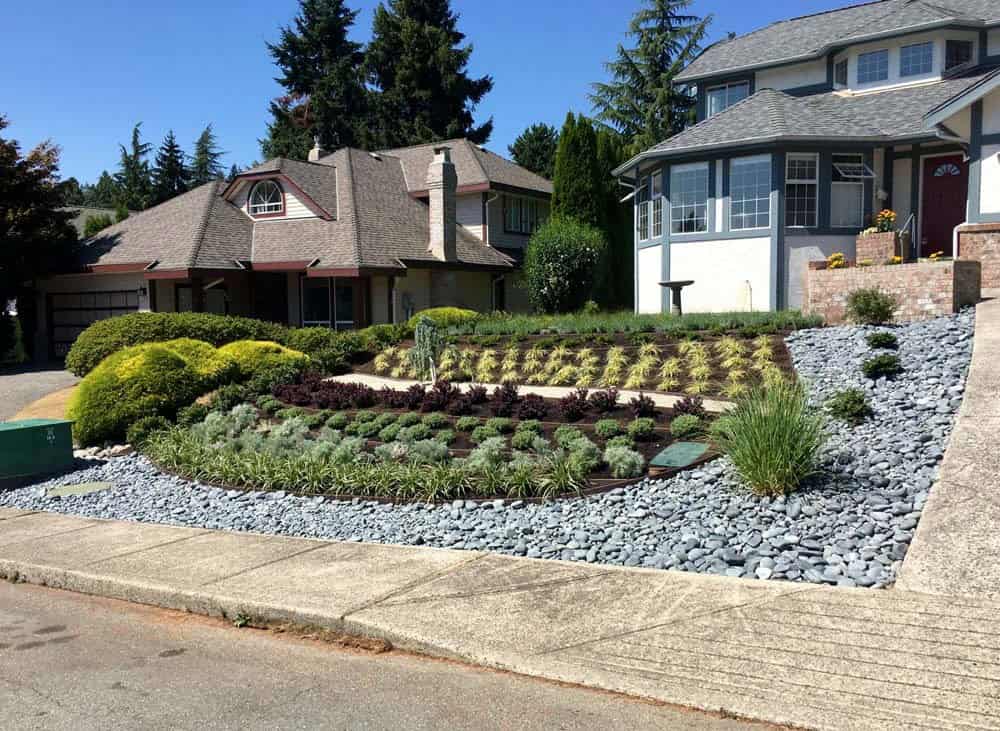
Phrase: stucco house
(805, 130)
(342, 240)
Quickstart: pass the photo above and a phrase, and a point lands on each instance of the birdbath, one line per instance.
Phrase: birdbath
(675, 294)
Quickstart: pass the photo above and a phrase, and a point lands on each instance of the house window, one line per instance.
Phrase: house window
(847, 195)
(522, 215)
(642, 211)
(840, 73)
(723, 97)
(916, 60)
(656, 186)
(328, 303)
(957, 53)
(266, 199)
(750, 193)
(689, 198)
(873, 67)
(801, 190)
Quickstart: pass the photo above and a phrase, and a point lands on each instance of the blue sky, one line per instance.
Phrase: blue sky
(82, 74)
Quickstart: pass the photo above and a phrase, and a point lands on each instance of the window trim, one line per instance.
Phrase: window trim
(879, 52)
(751, 160)
(902, 59)
(814, 157)
(727, 86)
(529, 214)
(266, 213)
(687, 168)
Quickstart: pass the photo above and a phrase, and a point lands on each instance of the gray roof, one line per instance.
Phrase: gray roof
(771, 116)
(374, 222)
(813, 36)
(82, 213)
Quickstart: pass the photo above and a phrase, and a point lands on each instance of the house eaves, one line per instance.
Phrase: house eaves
(960, 101)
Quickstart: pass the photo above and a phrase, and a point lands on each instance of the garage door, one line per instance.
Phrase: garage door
(73, 312)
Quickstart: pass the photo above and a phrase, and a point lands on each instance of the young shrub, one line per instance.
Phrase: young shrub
(365, 416)
(481, 433)
(428, 451)
(685, 426)
(584, 456)
(530, 425)
(607, 428)
(642, 429)
(624, 462)
(267, 404)
(501, 424)
(532, 406)
(880, 366)
(621, 441)
(338, 421)
(642, 406)
(850, 405)
(193, 414)
(435, 421)
(445, 436)
(140, 431)
(523, 440)
(505, 399)
(574, 405)
(291, 412)
(773, 438)
(694, 405)
(560, 265)
(883, 340)
(389, 433)
(604, 401)
(382, 420)
(871, 306)
(477, 394)
(467, 423)
(229, 396)
(405, 420)
(565, 436)
(415, 433)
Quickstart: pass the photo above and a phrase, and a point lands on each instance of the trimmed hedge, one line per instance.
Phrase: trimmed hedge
(256, 356)
(331, 351)
(445, 317)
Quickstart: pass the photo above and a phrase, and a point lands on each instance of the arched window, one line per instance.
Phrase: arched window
(266, 199)
(947, 169)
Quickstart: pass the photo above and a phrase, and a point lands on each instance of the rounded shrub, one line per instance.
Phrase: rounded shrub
(624, 462)
(621, 441)
(502, 424)
(883, 340)
(408, 419)
(435, 421)
(445, 317)
(607, 428)
(141, 430)
(481, 433)
(467, 423)
(871, 306)
(642, 429)
(523, 440)
(684, 426)
(338, 421)
(193, 414)
(257, 356)
(850, 405)
(560, 265)
(882, 366)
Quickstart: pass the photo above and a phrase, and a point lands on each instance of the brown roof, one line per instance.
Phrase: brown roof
(475, 165)
(373, 220)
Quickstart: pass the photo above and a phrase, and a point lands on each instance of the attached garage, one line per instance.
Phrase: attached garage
(70, 313)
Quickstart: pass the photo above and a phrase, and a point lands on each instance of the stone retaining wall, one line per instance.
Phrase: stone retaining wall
(924, 290)
(981, 242)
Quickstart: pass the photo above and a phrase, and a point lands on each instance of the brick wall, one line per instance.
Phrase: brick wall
(924, 290)
(877, 248)
(981, 242)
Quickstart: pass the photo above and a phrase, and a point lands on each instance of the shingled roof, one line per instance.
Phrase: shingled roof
(813, 36)
(373, 218)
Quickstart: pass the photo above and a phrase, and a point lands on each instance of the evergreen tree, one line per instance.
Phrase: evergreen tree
(170, 174)
(321, 70)
(121, 212)
(133, 177)
(535, 149)
(577, 192)
(418, 67)
(616, 288)
(234, 171)
(95, 224)
(105, 193)
(641, 100)
(72, 192)
(205, 162)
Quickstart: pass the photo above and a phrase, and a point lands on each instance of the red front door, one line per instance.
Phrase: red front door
(946, 188)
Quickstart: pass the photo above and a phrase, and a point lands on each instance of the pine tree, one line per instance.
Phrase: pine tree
(105, 193)
(133, 176)
(641, 100)
(170, 174)
(205, 162)
(576, 189)
(418, 66)
(535, 149)
(234, 172)
(321, 69)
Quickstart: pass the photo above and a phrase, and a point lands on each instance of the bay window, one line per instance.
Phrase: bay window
(750, 193)
(801, 190)
(689, 198)
(642, 211)
(656, 188)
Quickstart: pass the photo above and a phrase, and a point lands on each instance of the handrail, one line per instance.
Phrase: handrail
(911, 224)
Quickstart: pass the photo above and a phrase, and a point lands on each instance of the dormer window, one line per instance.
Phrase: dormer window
(722, 97)
(267, 199)
(957, 53)
(873, 67)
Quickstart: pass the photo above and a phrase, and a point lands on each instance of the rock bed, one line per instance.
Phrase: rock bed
(851, 527)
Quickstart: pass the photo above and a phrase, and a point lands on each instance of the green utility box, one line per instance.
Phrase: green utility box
(34, 447)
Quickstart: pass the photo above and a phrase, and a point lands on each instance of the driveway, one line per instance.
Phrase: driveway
(22, 386)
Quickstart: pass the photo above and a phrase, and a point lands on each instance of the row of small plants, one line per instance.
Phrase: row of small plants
(728, 366)
(851, 404)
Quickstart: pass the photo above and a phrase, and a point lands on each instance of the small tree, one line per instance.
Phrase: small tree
(95, 224)
(426, 349)
(535, 149)
(561, 264)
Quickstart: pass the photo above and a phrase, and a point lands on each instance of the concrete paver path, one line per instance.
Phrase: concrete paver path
(956, 549)
(816, 657)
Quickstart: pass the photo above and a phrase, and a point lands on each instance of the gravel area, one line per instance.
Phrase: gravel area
(850, 527)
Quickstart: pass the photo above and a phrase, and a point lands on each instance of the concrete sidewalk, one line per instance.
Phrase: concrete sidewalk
(788, 653)
(956, 549)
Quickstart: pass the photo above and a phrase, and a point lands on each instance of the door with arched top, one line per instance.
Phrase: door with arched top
(946, 190)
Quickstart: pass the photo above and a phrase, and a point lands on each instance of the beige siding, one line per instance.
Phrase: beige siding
(516, 293)
(495, 222)
(413, 293)
(790, 77)
(380, 300)
(901, 189)
(294, 206)
(470, 213)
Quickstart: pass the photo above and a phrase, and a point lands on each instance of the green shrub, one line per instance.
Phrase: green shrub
(621, 441)
(256, 356)
(607, 428)
(338, 421)
(624, 463)
(193, 414)
(228, 396)
(275, 374)
(408, 419)
(481, 433)
(882, 365)
(143, 380)
(445, 317)
(584, 456)
(268, 404)
(365, 416)
(642, 429)
(108, 336)
(850, 405)
(502, 424)
(467, 423)
(435, 421)
(560, 264)
(884, 340)
(773, 438)
(364, 429)
(140, 431)
(445, 436)
(389, 433)
(523, 440)
(534, 426)
(290, 412)
(415, 433)
(685, 425)
(384, 420)
(871, 306)
(565, 435)
(428, 451)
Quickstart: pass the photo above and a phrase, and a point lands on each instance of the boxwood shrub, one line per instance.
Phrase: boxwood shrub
(445, 317)
(255, 356)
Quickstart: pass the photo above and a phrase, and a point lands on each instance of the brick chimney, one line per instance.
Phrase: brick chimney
(442, 184)
(317, 150)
